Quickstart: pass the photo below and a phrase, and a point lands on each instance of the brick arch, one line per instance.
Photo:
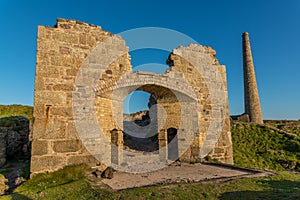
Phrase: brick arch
(169, 89)
(145, 81)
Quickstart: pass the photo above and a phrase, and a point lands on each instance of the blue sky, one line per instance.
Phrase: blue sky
(273, 25)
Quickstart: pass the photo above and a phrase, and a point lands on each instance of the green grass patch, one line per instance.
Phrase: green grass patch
(68, 183)
(16, 110)
(48, 180)
(257, 146)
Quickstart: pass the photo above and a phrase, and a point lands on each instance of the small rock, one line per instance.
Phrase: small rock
(97, 173)
(108, 173)
(19, 181)
(3, 185)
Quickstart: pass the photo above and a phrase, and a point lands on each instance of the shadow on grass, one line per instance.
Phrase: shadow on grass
(17, 196)
(284, 189)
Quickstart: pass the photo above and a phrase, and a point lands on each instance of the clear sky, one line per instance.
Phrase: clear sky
(273, 25)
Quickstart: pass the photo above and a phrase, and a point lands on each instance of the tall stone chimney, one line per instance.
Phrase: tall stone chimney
(252, 104)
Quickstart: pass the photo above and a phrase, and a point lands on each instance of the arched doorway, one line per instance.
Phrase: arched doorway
(114, 146)
(173, 147)
(148, 134)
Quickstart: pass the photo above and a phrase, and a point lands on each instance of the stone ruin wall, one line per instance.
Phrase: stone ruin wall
(223, 148)
(2, 148)
(14, 138)
(60, 52)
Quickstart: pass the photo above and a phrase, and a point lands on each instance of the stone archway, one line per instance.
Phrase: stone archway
(165, 113)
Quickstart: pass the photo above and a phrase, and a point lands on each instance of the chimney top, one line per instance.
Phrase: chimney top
(245, 33)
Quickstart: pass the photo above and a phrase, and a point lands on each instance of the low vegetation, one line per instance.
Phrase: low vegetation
(290, 126)
(16, 110)
(261, 147)
(66, 183)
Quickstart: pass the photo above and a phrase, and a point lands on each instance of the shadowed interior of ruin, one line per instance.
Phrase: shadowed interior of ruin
(151, 143)
(142, 119)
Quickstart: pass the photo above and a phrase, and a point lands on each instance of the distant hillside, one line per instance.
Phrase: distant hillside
(16, 110)
(262, 147)
(135, 116)
(291, 126)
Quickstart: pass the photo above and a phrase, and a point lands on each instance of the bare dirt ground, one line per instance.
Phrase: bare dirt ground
(183, 173)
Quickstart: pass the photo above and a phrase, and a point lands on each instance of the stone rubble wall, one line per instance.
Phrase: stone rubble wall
(3, 135)
(61, 51)
(14, 138)
(3, 184)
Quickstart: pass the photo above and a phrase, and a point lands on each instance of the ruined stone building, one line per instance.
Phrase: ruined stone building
(83, 74)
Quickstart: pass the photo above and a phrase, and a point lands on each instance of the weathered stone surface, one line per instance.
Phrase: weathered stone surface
(252, 103)
(65, 146)
(71, 130)
(40, 147)
(97, 173)
(50, 98)
(49, 128)
(47, 163)
(62, 111)
(79, 158)
(108, 173)
(242, 117)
